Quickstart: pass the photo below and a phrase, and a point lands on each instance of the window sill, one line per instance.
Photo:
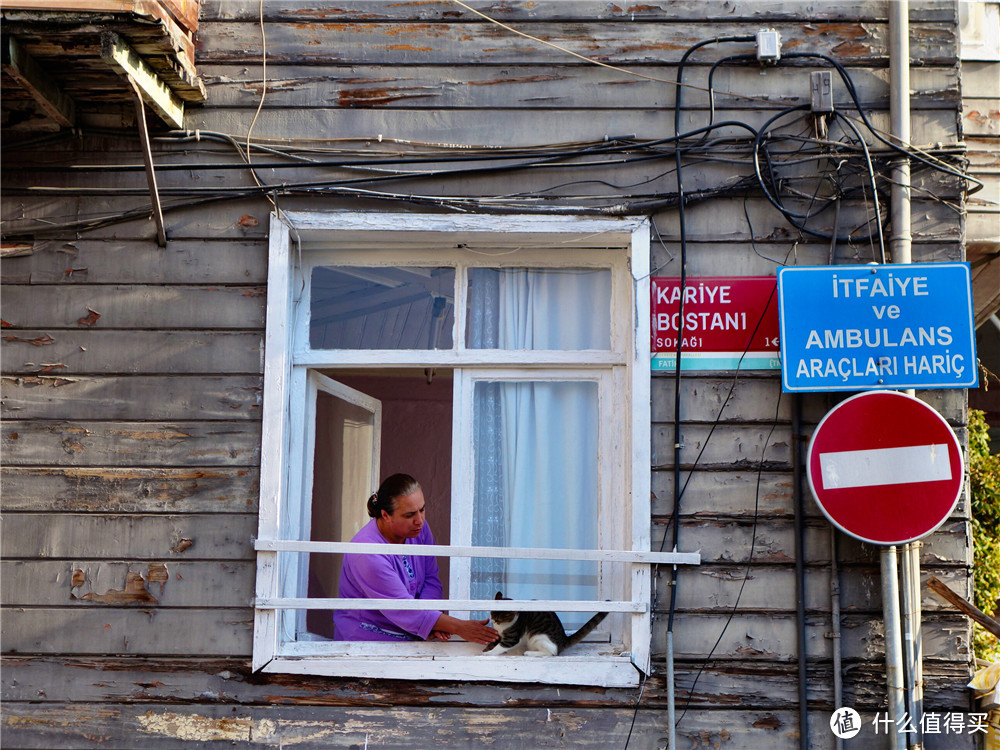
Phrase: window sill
(586, 664)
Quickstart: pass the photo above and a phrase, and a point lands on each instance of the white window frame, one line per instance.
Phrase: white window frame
(296, 240)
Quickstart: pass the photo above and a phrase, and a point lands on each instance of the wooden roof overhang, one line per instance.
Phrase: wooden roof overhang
(70, 60)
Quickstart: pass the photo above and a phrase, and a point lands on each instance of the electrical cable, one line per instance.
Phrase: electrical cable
(598, 147)
(551, 159)
(601, 148)
(907, 150)
(680, 333)
(793, 216)
(621, 208)
(759, 473)
(871, 176)
(711, 76)
(746, 575)
(761, 133)
(577, 54)
(753, 244)
(263, 75)
(678, 91)
(760, 469)
(382, 177)
(635, 711)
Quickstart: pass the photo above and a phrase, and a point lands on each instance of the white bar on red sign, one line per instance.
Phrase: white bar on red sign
(881, 466)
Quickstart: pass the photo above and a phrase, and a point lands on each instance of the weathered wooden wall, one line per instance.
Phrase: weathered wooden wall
(132, 386)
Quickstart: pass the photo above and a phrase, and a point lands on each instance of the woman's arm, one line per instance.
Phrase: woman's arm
(474, 631)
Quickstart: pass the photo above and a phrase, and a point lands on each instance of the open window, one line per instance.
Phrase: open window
(504, 363)
(343, 439)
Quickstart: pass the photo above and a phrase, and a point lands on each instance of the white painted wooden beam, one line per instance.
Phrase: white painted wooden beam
(519, 553)
(155, 93)
(471, 605)
(22, 68)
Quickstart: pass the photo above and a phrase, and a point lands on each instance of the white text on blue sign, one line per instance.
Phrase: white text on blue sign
(865, 327)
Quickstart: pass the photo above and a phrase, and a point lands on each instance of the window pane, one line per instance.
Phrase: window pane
(381, 308)
(535, 446)
(539, 308)
(342, 473)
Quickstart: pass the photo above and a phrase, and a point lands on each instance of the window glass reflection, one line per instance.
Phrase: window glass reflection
(355, 307)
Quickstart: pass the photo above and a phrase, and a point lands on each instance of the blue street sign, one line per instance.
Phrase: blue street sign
(856, 328)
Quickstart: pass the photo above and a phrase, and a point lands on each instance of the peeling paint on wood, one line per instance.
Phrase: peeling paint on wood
(142, 630)
(194, 728)
(205, 261)
(476, 87)
(138, 490)
(42, 340)
(519, 126)
(153, 397)
(54, 443)
(114, 352)
(145, 306)
(394, 729)
(165, 681)
(621, 44)
(92, 586)
(176, 583)
(182, 545)
(982, 121)
(159, 538)
(90, 319)
(585, 10)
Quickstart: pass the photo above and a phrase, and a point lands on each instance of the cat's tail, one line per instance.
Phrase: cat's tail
(586, 629)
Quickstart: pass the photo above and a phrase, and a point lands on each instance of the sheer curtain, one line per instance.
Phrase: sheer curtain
(536, 441)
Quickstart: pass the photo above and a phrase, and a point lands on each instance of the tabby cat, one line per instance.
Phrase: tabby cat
(541, 632)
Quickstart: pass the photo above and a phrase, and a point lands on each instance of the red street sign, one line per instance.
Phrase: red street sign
(721, 314)
(885, 467)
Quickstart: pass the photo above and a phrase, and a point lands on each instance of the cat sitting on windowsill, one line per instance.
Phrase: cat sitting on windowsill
(541, 633)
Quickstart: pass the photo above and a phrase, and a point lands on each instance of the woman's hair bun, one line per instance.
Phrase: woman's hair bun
(392, 487)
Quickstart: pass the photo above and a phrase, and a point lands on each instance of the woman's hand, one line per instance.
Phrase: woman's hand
(439, 635)
(474, 631)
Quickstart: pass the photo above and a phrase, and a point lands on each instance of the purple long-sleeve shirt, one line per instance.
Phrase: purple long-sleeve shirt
(387, 577)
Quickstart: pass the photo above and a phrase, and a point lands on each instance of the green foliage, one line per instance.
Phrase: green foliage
(984, 480)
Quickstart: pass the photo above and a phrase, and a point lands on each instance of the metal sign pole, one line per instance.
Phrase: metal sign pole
(913, 641)
(893, 646)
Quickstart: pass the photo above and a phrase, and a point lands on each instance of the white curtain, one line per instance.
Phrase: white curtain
(536, 440)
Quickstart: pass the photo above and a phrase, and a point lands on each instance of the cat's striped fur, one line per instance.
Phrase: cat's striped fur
(542, 633)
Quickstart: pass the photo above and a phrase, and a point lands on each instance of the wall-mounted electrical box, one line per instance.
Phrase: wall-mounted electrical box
(768, 46)
(821, 91)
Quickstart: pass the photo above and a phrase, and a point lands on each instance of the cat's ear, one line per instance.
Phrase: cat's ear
(499, 595)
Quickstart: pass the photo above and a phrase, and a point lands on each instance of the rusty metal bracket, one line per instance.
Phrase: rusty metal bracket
(147, 155)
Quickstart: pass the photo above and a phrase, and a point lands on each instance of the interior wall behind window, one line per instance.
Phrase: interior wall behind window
(416, 438)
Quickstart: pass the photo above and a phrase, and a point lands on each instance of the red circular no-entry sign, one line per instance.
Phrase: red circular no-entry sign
(885, 467)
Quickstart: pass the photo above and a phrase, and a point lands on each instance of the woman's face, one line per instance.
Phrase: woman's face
(406, 520)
